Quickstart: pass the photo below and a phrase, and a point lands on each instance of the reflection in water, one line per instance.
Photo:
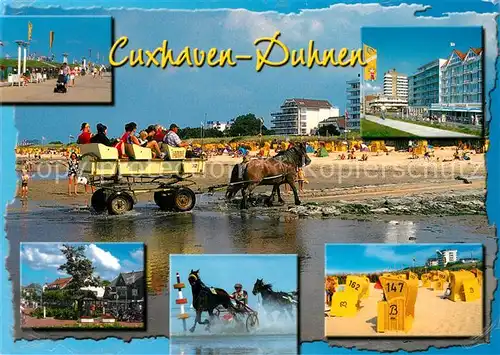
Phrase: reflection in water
(400, 232)
(237, 345)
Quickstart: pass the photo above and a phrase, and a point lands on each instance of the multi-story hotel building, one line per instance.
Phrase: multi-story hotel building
(446, 256)
(301, 116)
(461, 88)
(353, 104)
(423, 88)
(395, 84)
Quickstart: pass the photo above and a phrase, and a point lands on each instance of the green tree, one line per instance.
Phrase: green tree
(247, 125)
(105, 283)
(79, 267)
(328, 130)
(188, 132)
(56, 143)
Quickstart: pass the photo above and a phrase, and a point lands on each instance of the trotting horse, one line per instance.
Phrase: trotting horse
(206, 299)
(272, 171)
(283, 302)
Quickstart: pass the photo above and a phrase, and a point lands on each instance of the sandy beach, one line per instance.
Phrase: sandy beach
(434, 316)
(86, 90)
(382, 175)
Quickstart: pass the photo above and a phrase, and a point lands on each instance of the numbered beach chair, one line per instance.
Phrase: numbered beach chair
(426, 280)
(464, 286)
(346, 303)
(397, 311)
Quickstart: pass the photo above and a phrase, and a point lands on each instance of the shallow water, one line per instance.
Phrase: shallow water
(232, 231)
(237, 345)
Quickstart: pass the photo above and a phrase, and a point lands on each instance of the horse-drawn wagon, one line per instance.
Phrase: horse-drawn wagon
(118, 180)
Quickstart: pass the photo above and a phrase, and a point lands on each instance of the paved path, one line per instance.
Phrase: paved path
(32, 322)
(418, 130)
(86, 90)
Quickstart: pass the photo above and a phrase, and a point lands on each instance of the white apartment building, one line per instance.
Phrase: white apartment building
(396, 84)
(218, 125)
(446, 256)
(301, 116)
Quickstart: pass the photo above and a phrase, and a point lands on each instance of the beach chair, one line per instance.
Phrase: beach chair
(14, 79)
(39, 77)
(346, 303)
(44, 77)
(397, 311)
(464, 286)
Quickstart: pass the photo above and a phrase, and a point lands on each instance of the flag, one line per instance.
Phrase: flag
(370, 56)
(1, 43)
(71, 136)
(346, 114)
(30, 30)
(51, 39)
(452, 44)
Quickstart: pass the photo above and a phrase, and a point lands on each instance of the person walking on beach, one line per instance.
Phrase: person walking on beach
(72, 75)
(65, 71)
(73, 173)
(24, 184)
(301, 179)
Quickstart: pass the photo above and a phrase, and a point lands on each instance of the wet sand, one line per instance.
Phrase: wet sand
(381, 174)
(434, 317)
(86, 90)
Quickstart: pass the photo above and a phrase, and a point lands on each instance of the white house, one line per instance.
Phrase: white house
(301, 116)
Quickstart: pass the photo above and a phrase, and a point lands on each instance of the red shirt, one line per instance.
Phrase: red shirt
(84, 138)
(159, 135)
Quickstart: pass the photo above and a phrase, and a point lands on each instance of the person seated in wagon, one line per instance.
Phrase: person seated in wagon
(172, 138)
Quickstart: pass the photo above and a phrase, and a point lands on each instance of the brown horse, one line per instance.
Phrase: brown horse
(273, 171)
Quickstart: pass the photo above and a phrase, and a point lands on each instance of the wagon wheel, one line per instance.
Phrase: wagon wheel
(184, 199)
(119, 203)
(164, 200)
(252, 322)
(98, 201)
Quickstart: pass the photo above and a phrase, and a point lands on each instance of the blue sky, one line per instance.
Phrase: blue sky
(224, 271)
(407, 48)
(74, 36)
(365, 258)
(40, 261)
(183, 95)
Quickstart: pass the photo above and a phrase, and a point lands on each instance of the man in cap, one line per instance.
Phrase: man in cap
(101, 136)
(172, 138)
(240, 295)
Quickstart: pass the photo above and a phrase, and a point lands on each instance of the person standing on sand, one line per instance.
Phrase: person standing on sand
(24, 184)
(73, 173)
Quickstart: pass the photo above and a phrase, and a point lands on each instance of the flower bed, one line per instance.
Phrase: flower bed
(107, 318)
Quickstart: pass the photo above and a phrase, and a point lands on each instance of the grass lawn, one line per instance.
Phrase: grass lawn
(371, 129)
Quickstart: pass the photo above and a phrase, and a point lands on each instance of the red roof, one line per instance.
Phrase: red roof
(478, 51)
(461, 55)
(312, 103)
(60, 283)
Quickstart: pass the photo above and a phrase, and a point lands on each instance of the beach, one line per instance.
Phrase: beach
(86, 90)
(434, 317)
(382, 175)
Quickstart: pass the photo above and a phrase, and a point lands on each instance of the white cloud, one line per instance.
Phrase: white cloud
(368, 88)
(138, 254)
(102, 259)
(42, 256)
(388, 254)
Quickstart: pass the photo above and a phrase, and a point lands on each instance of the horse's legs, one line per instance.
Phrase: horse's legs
(244, 194)
(197, 319)
(270, 200)
(294, 189)
(280, 199)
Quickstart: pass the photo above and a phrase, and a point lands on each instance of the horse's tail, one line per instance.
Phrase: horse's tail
(236, 176)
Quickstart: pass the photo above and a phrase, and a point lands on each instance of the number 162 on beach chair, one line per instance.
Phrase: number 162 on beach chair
(346, 303)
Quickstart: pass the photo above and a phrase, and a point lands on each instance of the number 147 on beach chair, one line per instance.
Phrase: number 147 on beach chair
(397, 311)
